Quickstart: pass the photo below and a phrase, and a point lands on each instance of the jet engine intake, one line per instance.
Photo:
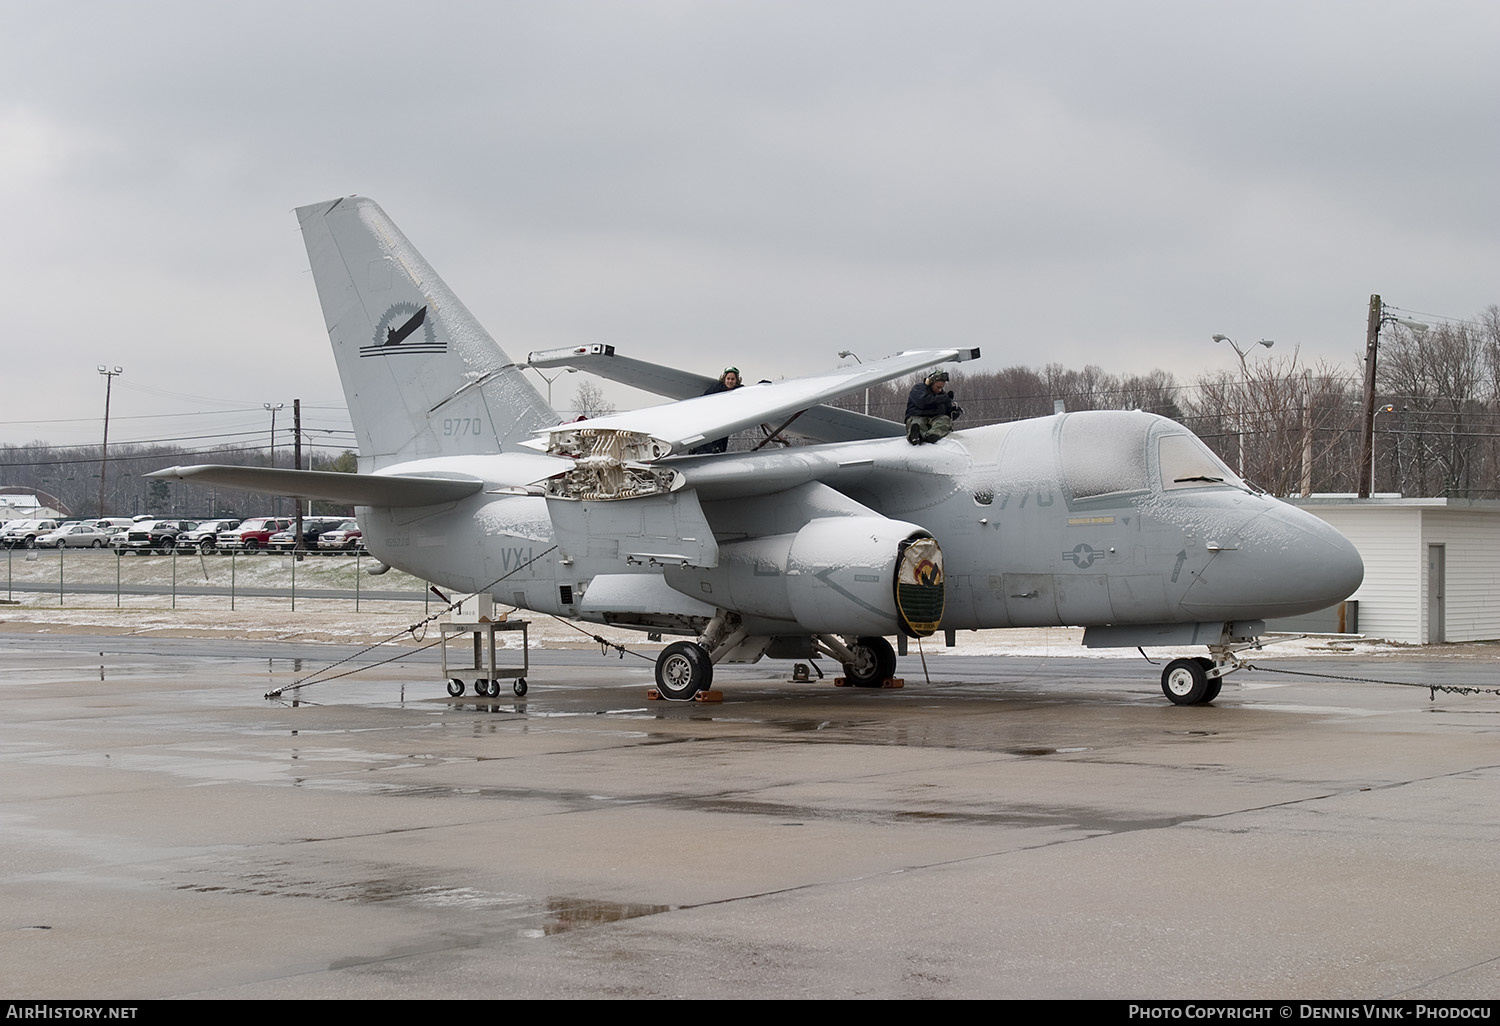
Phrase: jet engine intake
(861, 575)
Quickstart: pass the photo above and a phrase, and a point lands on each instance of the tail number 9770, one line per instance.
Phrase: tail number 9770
(453, 426)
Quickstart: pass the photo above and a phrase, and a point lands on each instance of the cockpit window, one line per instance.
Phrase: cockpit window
(1104, 452)
(1187, 463)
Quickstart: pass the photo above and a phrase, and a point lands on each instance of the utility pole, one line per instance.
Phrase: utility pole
(1367, 417)
(109, 380)
(297, 463)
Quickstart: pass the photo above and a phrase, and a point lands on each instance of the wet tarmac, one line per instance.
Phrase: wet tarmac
(1018, 827)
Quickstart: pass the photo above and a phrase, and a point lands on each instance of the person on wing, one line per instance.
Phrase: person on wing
(728, 382)
(930, 409)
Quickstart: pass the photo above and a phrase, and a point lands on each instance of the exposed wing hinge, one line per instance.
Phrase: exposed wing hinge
(609, 463)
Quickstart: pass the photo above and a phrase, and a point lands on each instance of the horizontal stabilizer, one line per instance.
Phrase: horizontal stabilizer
(354, 489)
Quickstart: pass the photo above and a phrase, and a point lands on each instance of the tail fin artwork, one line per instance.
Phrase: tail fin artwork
(420, 375)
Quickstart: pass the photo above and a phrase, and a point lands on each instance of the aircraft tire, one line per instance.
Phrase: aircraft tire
(1215, 684)
(875, 661)
(682, 670)
(1185, 682)
(455, 687)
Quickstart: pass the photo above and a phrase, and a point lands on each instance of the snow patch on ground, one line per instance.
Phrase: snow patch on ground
(402, 623)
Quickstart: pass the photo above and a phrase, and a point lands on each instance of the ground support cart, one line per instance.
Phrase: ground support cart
(487, 674)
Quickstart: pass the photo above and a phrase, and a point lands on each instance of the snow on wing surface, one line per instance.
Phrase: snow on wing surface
(355, 489)
(689, 422)
(820, 423)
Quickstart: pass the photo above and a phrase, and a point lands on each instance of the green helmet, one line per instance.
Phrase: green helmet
(936, 376)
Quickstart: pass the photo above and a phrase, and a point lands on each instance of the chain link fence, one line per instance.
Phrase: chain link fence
(101, 578)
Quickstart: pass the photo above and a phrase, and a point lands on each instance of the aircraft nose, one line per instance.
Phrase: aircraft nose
(1284, 562)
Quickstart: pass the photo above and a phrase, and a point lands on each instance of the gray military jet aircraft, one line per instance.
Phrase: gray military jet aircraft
(1121, 522)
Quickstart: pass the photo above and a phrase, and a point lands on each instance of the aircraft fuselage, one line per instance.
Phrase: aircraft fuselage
(1091, 518)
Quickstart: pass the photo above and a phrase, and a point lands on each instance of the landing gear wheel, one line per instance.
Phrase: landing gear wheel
(682, 670)
(1214, 683)
(455, 687)
(519, 687)
(1184, 682)
(874, 662)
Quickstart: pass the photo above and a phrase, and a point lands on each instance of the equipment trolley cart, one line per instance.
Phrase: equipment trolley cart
(483, 633)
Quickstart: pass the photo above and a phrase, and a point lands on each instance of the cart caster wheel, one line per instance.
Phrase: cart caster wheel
(519, 687)
(481, 687)
(455, 687)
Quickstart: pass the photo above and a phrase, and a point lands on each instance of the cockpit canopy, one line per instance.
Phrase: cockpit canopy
(1115, 452)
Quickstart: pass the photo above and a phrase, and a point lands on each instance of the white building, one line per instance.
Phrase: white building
(21, 506)
(1432, 566)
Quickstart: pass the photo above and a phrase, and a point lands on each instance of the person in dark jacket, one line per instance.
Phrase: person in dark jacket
(728, 382)
(930, 409)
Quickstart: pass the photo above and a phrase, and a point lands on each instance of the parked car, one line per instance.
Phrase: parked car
(205, 536)
(74, 536)
(312, 530)
(155, 535)
(252, 534)
(346, 536)
(24, 533)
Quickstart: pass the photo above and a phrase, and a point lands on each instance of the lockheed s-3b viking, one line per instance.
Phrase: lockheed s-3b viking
(1120, 522)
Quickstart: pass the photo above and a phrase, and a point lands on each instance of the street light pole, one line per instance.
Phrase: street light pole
(845, 354)
(1387, 408)
(565, 370)
(272, 408)
(109, 380)
(1239, 414)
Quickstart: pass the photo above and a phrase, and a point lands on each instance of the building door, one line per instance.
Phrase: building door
(1436, 606)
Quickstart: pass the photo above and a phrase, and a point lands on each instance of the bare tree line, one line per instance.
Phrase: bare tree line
(1291, 427)
(70, 475)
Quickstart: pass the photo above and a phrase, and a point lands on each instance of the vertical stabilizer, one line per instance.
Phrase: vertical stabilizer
(421, 377)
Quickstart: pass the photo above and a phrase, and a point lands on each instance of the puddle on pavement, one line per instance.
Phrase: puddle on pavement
(532, 916)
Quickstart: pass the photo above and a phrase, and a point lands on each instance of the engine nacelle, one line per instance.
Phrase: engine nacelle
(837, 575)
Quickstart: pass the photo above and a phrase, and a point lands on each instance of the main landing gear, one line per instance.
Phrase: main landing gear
(685, 669)
(682, 670)
(1192, 681)
(873, 664)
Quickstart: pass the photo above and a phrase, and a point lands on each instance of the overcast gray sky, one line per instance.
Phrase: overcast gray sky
(701, 183)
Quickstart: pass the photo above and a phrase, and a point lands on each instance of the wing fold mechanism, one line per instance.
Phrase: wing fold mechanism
(609, 464)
